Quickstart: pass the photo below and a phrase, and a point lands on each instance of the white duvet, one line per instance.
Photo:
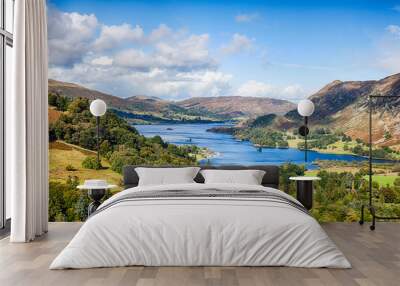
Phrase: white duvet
(200, 231)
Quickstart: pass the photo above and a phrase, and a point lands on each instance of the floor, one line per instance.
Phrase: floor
(375, 257)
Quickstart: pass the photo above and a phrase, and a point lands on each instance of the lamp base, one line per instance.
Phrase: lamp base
(303, 130)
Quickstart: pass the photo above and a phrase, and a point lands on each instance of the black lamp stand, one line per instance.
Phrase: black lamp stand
(370, 207)
(304, 131)
(97, 139)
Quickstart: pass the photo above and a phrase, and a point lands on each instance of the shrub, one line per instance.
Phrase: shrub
(288, 170)
(71, 168)
(120, 159)
(91, 163)
(389, 194)
(62, 200)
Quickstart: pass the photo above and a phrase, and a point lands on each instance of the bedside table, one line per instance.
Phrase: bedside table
(305, 190)
(96, 190)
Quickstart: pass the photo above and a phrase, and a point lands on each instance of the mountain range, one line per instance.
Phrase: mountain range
(343, 106)
(340, 105)
(238, 106)
(200, 108)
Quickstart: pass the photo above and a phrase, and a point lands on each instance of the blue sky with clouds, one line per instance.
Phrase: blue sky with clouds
(181, 49)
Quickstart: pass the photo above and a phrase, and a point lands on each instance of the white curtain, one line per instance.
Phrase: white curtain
(27, 124)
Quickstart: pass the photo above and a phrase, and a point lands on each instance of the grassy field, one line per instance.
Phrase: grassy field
(62, 154)
(311, 173)
(383, 180)
(335, 148)
(338, 147)
(293, 142)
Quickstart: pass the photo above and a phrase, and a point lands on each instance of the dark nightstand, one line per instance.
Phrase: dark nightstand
(96, 190)
(305, 190)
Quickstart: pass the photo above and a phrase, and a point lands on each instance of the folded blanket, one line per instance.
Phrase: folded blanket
(206, 193)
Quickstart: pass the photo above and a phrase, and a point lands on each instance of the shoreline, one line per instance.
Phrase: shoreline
(291, 145)
(206, 154)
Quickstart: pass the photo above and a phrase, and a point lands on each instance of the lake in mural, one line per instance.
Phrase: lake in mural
(229, 150)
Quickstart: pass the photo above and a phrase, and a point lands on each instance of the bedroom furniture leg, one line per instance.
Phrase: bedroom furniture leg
(362, 215)
(304, 193)
(96, 195)
(372, 210)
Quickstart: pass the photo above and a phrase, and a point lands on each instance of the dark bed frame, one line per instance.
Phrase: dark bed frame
(270, 179)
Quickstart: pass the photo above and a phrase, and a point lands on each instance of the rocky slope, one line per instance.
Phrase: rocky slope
(343, 106)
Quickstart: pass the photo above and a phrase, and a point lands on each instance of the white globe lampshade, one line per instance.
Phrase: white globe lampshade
(98, 107)
(305, 107)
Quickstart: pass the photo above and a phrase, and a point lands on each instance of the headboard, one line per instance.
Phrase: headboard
(270, 179)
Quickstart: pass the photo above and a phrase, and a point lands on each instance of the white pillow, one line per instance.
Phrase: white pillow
(166, 176)
(248, 177)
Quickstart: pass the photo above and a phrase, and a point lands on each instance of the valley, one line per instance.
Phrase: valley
(140, 109)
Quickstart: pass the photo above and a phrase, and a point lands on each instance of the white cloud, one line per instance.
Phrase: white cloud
(112, 36)
(160, 33)
(188, 54)
(170, 64)
(164, 83)
(124, 60)
(238, 44)
(245, 18)
(102, 61)
(69, 36)
(293, 92)
(393, 29)
(254, 88)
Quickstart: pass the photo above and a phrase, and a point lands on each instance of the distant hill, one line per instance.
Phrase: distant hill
(140, 109)
(237, 106)
(74, 90)
(344, 106)
(134, 103)
(271, 120)
(153, 109)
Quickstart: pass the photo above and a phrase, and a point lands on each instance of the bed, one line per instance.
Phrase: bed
(197, 224)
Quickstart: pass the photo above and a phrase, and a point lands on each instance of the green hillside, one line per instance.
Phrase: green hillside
(72, 134)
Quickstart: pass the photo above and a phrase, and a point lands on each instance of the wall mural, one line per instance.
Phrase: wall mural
(217, 84)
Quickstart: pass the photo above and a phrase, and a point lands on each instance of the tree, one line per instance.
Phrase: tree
(90, 162)
(60, 102)
(289, 170)
(105, 148)
(78, 105)
(387, 135)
